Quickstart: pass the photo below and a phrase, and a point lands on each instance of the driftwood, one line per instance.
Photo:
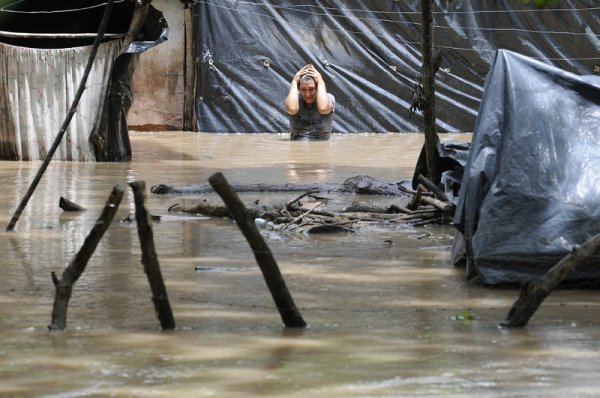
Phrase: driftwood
(71, 274)
(57, 140)
(358, 184)
(416, 200)
(150, 260)
(292, 217)
(433, 188)
(283, 300)
(67, 205)
(534, 293)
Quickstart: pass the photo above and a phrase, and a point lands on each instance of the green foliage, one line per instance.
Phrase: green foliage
(466, 316)
(542, 3)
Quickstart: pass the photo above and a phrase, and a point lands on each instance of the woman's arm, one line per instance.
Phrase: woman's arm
(291, 101)
(324, 104)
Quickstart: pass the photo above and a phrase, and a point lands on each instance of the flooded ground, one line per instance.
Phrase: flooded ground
(383, 304)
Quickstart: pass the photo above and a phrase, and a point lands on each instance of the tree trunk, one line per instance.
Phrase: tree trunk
(428, 74)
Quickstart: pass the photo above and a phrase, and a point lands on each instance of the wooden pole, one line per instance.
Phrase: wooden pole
(138, 18)
(189, 114)
(22, 35)
(149, 258)
(534, 293)
(71, 274)
(433, 188)
(283, 300)
(11, 225)
(428, 73)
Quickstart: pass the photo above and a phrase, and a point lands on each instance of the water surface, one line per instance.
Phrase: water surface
(383, 303)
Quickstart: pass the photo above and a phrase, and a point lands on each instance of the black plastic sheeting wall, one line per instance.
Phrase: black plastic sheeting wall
(369, 53)
(531, 186)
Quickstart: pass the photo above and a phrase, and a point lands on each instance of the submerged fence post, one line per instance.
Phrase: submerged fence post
(283, 300)
(534, 293)
(71, 274)
(149, 258)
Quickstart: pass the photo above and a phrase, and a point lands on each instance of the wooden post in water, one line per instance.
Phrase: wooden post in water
(71, 274)
(149, 258)
(534, 293)
(283, 300)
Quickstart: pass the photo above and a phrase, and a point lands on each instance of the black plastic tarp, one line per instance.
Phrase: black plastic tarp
(531, 186)
(111, 137)
(369, 54)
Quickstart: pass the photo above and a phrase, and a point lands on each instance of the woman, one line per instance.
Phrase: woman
(309, 105)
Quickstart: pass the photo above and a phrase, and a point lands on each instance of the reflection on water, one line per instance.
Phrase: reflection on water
(381, 303)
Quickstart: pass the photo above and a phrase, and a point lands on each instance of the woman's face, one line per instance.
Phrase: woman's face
(308, 91)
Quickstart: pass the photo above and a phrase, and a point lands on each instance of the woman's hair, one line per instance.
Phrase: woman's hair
(305, 78)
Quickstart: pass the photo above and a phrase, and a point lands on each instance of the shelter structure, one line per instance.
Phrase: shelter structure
(530, 187)
(44, 47)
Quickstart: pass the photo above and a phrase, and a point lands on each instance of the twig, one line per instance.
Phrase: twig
(301, 216)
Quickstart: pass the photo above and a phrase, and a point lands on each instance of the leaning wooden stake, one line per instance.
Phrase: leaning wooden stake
(71, 274)
(57, 140)
(534, 293)
(149, 258)
(283, 300)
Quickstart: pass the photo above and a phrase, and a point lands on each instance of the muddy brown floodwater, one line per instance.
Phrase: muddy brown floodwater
(383, 303)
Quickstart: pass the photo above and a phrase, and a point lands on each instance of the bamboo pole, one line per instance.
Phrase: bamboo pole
(11, 225)
(71, 274)
(283, 300)
(160, 298)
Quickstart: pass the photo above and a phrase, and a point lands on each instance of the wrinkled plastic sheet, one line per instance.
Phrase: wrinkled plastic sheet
(369, 53)
(531, 186)
(112, 134)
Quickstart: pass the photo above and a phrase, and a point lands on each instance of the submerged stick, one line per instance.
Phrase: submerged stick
(11, 225)
(149, 258)
(67, 205)
(283, 300)
(534, 293)
(71, 274)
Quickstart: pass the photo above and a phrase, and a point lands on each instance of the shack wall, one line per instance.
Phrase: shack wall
(159, 76)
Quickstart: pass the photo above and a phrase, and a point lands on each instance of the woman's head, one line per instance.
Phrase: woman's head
(307, 88)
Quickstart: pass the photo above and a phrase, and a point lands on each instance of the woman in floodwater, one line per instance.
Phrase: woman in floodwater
(307, 121)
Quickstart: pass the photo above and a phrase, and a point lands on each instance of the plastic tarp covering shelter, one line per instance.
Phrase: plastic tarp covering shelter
(531, 185)
(369, 52)
(41, 77)
(38, 92)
